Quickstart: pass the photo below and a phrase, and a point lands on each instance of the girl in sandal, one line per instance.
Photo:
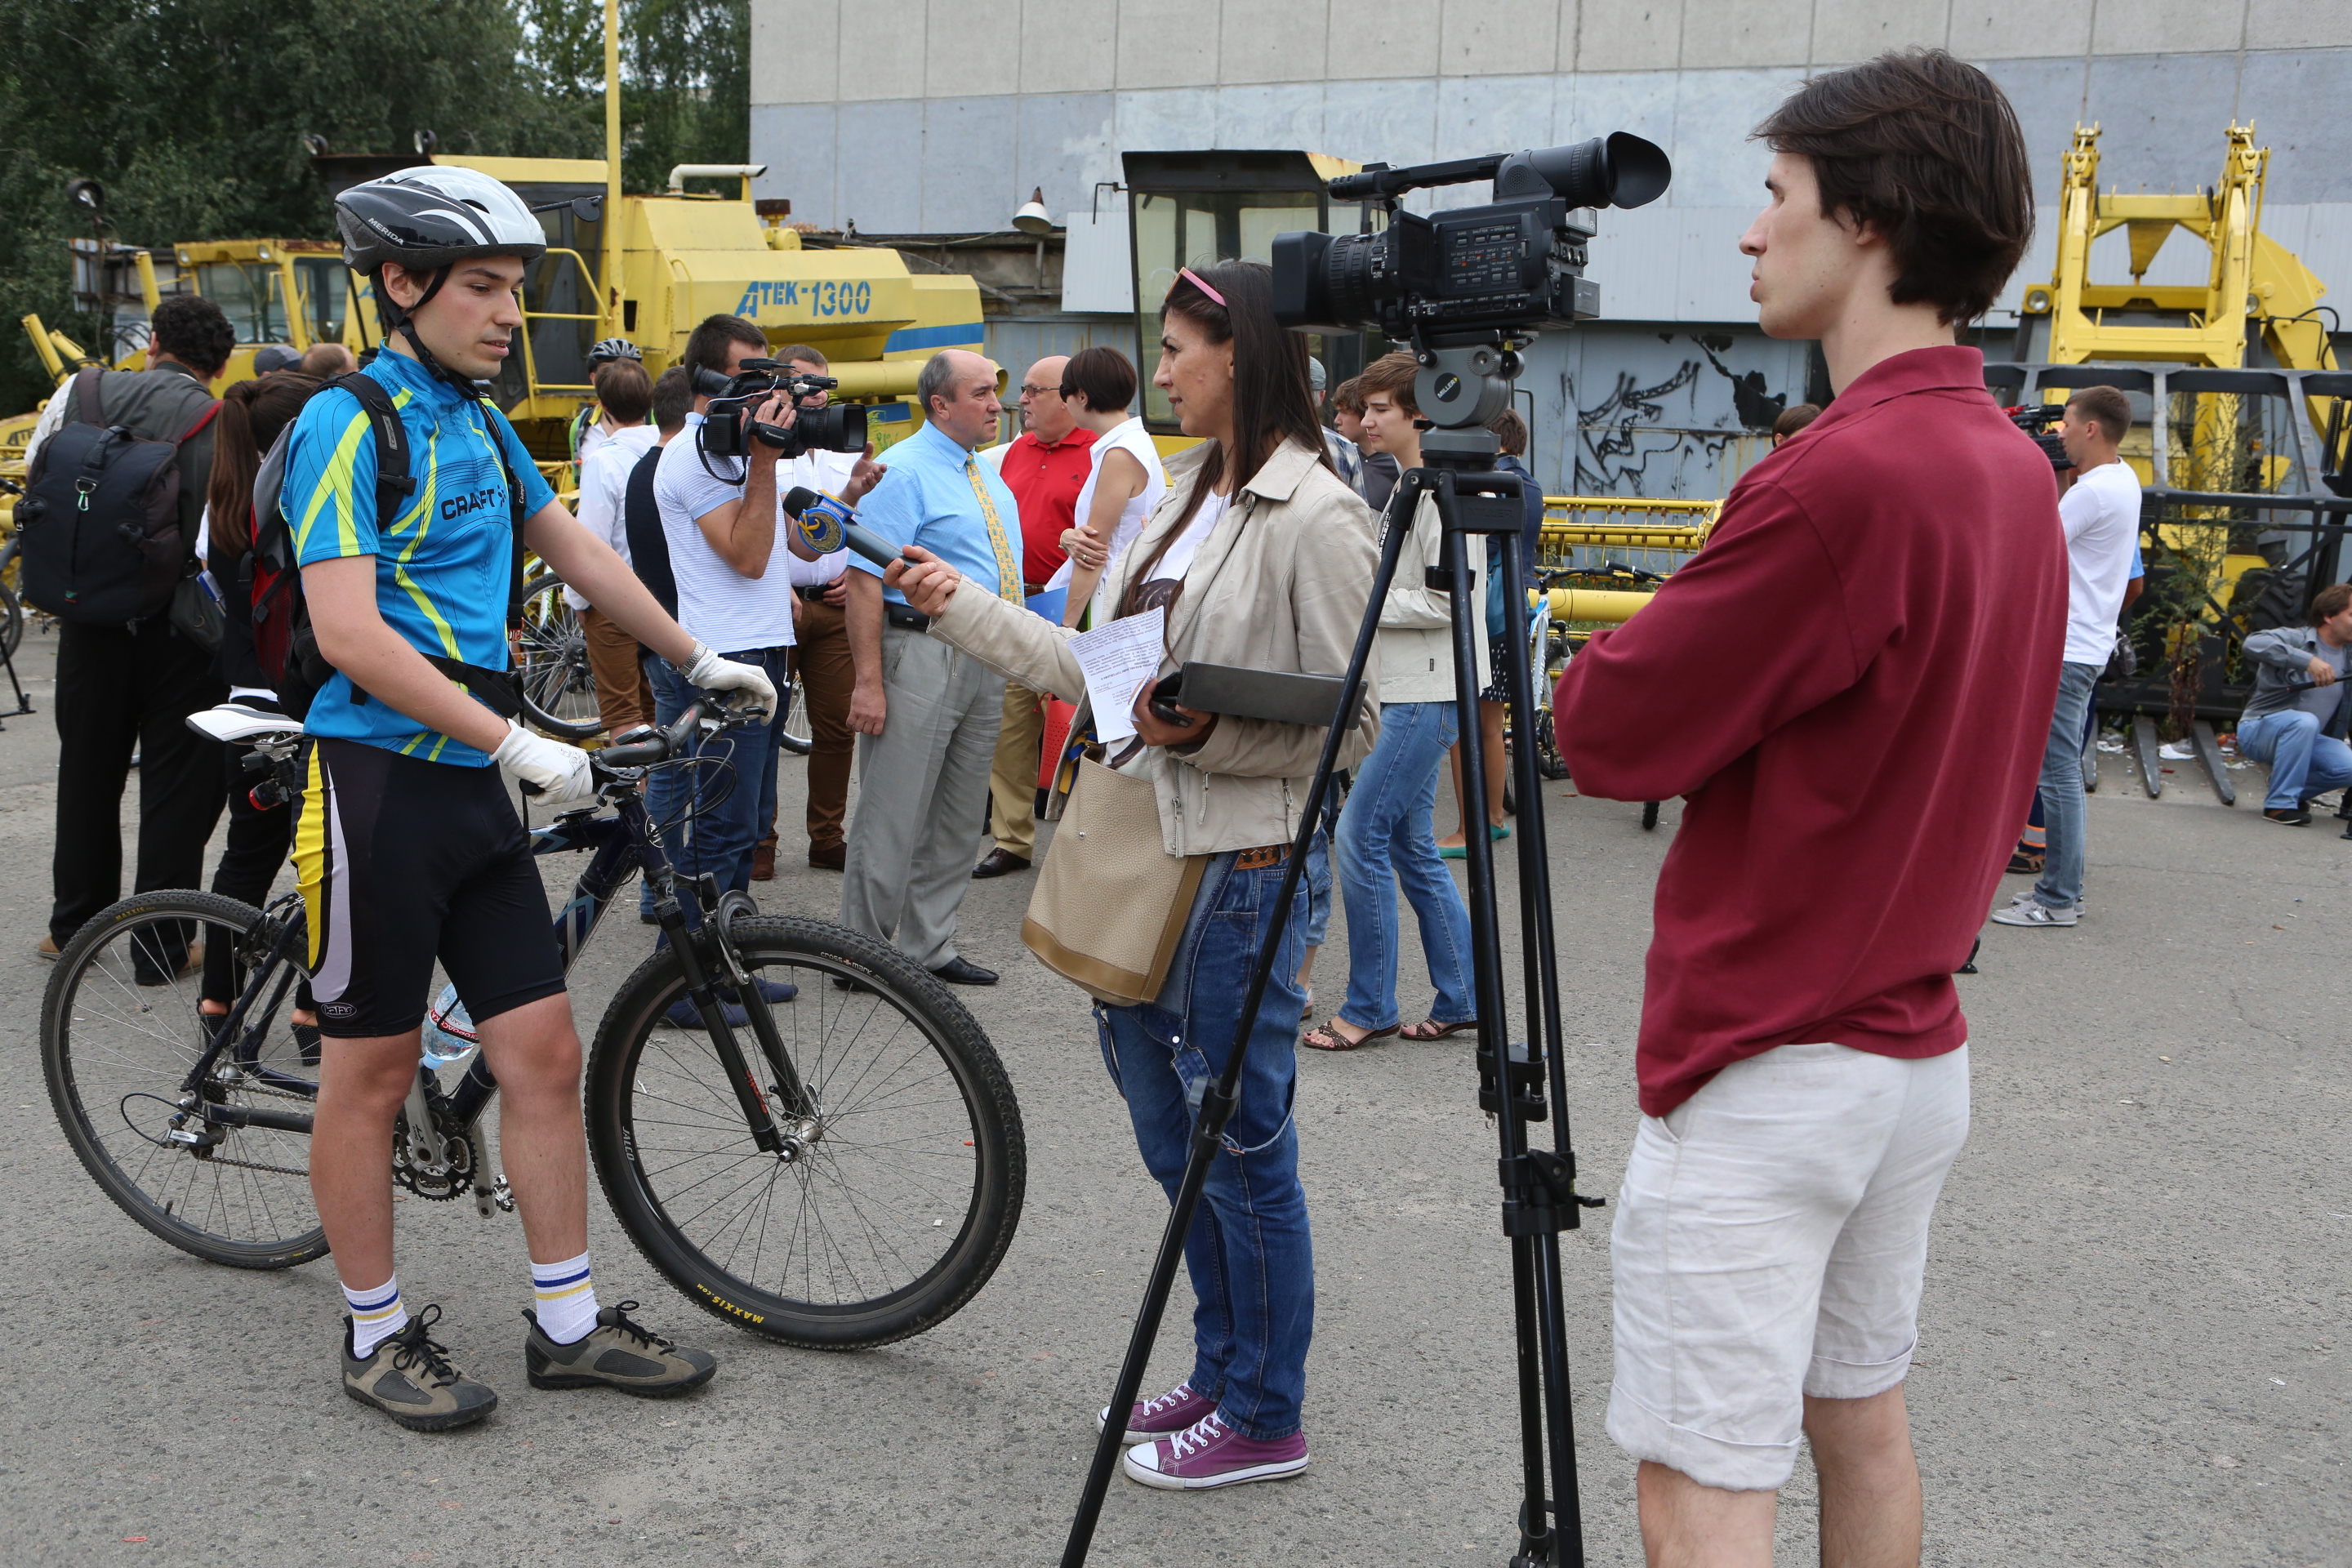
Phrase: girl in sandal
(1386, 833)
(1262, 558)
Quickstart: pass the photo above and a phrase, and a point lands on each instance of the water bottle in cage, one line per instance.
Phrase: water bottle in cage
(449, 1036)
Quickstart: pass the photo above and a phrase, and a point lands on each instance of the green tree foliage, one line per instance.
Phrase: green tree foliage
(191, 114)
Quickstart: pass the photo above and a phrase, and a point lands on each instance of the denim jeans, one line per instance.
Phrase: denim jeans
(2063, 809)
(1251, 1262)
(2301, 761)
(1318, 883)
(1386, 838)
(729, 808)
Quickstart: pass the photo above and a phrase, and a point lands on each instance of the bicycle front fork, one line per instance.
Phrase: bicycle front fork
(711, 966)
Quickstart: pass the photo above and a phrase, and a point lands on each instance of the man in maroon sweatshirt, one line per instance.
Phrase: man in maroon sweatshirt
(1851, 686)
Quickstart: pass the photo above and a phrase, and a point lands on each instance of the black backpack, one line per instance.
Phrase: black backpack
(100, 520)
(282, 634)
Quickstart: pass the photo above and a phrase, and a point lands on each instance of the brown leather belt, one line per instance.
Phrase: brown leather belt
(1261, 858)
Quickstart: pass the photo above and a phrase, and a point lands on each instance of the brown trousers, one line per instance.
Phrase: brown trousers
(1013, 781)
(623, 696)
(821, 663)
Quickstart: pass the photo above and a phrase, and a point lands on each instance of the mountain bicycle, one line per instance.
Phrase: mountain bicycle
(799, 1127)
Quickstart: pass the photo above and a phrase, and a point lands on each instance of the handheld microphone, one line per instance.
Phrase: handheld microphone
(826, 525)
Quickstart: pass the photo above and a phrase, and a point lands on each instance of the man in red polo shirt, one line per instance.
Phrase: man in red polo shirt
(1044, 468)
(1851, 686)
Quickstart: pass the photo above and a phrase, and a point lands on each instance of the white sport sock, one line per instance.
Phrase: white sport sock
(377, 1314)
(567, 1299)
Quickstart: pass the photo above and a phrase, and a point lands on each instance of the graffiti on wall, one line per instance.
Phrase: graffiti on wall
(1674, 421)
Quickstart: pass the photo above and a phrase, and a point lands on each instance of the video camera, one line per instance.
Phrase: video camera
(2036, 419)
(1515, 266)
(729, 428)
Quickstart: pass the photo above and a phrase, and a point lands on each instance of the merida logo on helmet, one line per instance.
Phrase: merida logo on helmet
(459, 506)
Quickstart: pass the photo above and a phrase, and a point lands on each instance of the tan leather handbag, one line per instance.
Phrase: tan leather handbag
(1111, 903)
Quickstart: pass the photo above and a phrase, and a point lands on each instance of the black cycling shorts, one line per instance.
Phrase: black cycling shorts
(401, 861)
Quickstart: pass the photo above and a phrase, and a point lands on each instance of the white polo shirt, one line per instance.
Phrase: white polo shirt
(2101, 515)
(728, 612)
(828, 474)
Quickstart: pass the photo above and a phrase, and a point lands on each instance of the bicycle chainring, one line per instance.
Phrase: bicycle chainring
(438, 1186)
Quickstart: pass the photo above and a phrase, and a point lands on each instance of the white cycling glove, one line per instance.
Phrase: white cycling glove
(560, 772)
(709, 672)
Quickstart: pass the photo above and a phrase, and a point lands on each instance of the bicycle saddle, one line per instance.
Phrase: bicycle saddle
(236, 721)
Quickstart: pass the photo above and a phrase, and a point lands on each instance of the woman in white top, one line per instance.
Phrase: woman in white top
(1125, 482)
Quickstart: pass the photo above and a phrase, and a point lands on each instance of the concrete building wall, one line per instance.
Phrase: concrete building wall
(931, 117)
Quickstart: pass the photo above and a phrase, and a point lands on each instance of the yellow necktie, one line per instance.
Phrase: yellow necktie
(1008, 569)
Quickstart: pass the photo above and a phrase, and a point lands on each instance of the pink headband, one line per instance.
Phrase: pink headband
(1194, 277)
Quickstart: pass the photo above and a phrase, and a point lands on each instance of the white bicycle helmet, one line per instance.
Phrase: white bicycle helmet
(426, 218)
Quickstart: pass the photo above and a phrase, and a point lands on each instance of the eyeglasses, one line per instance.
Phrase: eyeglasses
(1028, 391)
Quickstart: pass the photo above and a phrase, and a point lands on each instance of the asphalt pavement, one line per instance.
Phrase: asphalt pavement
(2137, 1323)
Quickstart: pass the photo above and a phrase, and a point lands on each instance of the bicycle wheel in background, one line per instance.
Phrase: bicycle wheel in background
(559, 689)
(912, 1181)
(12, 621)
(119, 1033)
(794, 736)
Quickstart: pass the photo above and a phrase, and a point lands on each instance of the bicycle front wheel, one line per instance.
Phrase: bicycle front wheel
(912, 1184)
(559, 689)
(198, 1164)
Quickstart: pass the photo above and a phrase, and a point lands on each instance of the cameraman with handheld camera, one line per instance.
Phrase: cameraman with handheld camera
(1896, 580)
(716, 491)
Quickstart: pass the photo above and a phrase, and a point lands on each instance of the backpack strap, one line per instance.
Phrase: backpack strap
(86, 394)
(211, 411)
(394, 481)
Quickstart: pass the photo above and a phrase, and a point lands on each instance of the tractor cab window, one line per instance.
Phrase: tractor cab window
(247, 293)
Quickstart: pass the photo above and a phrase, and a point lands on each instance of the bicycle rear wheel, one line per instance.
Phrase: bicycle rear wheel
(913, 1181)
(119, 1034)
(559, 689)
(793, 734)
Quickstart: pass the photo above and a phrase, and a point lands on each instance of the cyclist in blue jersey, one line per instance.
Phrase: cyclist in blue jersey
(406, 844)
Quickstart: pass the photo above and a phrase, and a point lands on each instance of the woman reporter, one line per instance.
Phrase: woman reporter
(1262, 558)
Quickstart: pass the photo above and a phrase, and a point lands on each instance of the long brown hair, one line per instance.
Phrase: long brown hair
(252, 413)
(1273, 404)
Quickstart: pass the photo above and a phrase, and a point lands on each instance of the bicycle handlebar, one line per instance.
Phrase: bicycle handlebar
(665, 743)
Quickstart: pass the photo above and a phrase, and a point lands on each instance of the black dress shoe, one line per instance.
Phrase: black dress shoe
(997, 863)
(963, 971)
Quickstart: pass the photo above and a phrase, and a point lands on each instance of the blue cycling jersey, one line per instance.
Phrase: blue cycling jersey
(443, 565)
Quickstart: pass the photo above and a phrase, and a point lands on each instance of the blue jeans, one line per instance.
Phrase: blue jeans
(1251, 1262)
(1386, 838)
(1318, 883)
(2064, 816)
(728, 810)
(2301, 761)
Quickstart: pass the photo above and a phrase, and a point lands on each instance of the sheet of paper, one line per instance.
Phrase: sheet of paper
(1115, 659)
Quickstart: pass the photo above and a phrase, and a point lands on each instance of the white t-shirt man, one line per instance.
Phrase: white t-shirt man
(2101, 515)
(729, 611)
(828, 474)
(604, 488)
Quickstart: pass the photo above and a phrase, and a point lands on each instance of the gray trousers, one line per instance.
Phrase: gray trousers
(922, 796)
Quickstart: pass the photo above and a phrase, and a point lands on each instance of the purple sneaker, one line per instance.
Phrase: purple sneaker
(1209, 1453)
(1169, 1414)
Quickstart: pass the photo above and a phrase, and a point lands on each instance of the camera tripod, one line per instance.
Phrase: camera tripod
(1459, 387)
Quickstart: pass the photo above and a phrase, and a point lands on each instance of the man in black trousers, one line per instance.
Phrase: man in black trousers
(130, 687)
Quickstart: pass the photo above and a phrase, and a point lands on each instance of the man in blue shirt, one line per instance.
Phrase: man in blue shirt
(406, 847)
(927, 715)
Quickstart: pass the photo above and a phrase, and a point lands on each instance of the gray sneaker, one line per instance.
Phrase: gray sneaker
(616, 1353)
(409, 1378)
(2035, 913)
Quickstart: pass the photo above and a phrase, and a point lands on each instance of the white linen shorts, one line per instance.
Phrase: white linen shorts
(1769, 1242)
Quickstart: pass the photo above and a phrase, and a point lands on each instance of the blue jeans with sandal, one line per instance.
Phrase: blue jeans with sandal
(1248, 1254)
(1387, 836)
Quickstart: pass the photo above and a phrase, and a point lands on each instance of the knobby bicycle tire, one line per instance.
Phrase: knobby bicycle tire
(95, 1027)
(12, 621)
(679, 1167)
(558, 689)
